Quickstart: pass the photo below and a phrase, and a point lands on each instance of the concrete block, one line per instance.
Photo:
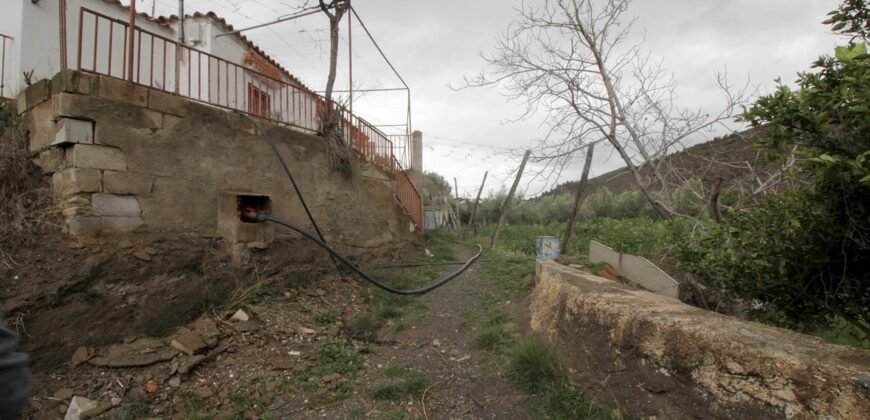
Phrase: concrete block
(116, 205)
(71, 130)
(40, 125)
(125, 182)
(76, 180)
(83, 226)
(73, 81)
(122, 91)
(118, 225)
(97, 157)
(167, 102)
(153, 119)
(50, 160)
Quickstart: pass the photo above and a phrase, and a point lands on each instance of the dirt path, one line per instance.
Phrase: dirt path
(438, 343)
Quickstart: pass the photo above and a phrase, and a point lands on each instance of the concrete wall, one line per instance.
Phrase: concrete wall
(638, 270)
(128, 159)
(734, 368)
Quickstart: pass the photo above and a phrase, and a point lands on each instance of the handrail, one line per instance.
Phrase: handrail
(5, 39)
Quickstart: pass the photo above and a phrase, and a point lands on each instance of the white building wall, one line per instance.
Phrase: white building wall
(10, 25)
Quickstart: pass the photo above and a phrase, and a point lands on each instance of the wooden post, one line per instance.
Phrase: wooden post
(455, 189)
(578, 199)
(506, 205)
(474, 208)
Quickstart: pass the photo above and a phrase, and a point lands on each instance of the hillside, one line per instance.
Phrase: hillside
(728, 157)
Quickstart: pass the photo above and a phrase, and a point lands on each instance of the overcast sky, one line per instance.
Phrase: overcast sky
(434, 43)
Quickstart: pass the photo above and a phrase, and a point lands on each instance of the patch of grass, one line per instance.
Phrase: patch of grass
(403, 383)
(490, 337)
(564, 401)
(337, 356)
(325, 317)
(388, 312)
(532, 365)
(365, 328)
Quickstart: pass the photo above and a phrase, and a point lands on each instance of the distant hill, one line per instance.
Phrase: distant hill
(726, 157)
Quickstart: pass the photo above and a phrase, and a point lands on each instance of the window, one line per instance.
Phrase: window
(259, 102)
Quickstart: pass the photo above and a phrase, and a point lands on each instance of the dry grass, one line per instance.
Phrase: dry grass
(27, 206)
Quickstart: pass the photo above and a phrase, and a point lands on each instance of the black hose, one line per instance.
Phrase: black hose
(290, 176)
(258, 217)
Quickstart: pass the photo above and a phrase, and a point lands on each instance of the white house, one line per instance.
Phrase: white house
(39, 39)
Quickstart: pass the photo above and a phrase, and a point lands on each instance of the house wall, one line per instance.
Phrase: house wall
(126, 159)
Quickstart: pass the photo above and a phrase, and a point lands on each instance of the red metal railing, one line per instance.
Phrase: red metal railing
(162, 63)
(7, 40)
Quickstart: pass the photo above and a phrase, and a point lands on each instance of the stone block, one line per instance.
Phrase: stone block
(122, 91)
(116, 205)
(170, 121)
(39, 122)
(71, 130)
(118, 225)
(97, 157)
(73, 81)
(50, 160)
(83, 226)
(125, 182)
(153, 119)
(167, 102)
(34, 95)
(76, 180)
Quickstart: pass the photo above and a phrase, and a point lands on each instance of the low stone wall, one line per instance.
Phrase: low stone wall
(737, 369)
(126, 159)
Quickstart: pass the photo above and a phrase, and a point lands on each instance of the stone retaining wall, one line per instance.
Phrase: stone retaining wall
(126, 159)
(677, 352)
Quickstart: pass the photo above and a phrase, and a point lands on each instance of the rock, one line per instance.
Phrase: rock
(63, 394)
(241, 315)
(306, 331)
(129, 339)
(142, 255)
(174, 381)
(189, 362)
(246, 326)
(203, 392)
(188, 342)
(150, 251)
(125, 244)
(282, 362)
(142, 352)
(208, 330)
(116, 401)
(81, 355)
(258, 245)
(78, 407)
(151, 387)
(331, 378)
(436, 343)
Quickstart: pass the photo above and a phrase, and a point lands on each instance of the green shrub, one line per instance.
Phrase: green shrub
(533, 366)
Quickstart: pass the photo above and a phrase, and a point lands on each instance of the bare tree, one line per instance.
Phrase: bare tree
(339, 8)
(570, 60)
(331, 121)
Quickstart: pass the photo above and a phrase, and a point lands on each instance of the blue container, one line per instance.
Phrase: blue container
(547, 247)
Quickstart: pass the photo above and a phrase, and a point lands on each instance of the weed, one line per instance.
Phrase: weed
(388, 312)
(337, 356)
(325, 317)
(564, 401)
(532, 365)
(403, 383)
(365, 328)
(490, 337)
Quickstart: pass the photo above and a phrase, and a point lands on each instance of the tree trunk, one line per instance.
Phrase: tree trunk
(713, 204)
(578, 199)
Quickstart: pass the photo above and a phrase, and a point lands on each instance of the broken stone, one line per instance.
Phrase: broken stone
(246, 326)
(142, 255)
(149, 250)
(436, 343)
(282, 362)
(81, 355)
(240, 315)
(203, 392)
(175, 381)
(208, 330)
(188, 342)
(78, 407)
(307, 331)
(258, 245)
(125, 244)
(189, 362)
(142, 352)
(331, 378)
(63, 394)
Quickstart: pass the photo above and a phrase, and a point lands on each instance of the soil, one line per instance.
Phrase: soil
(108, 302)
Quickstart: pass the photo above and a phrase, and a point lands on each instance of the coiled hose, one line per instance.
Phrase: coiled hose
(259, 217)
